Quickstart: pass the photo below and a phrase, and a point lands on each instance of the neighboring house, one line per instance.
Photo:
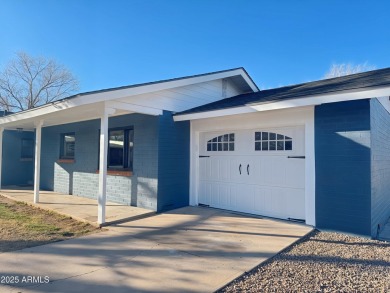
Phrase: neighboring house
(317, 152)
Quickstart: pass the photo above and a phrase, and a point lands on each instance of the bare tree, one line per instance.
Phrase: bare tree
(342, 69)
(27, 82)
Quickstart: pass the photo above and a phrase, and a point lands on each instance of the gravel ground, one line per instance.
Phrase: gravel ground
(322, 262)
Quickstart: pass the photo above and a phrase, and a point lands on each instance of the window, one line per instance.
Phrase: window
(68, 141)
(120, 149)
(221, 143)
(27, 151)
(270, 141)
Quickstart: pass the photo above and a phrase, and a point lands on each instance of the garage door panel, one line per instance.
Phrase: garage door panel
(204, 168)
(294, 170)
(250, 179)
(294, 198)
(204, 193)
(224, 195)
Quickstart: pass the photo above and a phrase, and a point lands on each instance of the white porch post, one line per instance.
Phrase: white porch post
(103, 167)
(37, 164)
(1, 153)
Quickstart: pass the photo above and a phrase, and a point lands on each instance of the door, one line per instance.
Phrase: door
(258, 171)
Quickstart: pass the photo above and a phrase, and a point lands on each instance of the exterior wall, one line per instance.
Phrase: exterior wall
(15, 170)
(173, 163)
(343, 162)
(81, 178)
(380, 165)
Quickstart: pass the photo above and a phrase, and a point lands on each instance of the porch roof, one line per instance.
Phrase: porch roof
(147, 98)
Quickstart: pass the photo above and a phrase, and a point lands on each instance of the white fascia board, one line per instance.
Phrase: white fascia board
(216, 113)
(322, 99)
(249, 81)
(285, 104)
(33, 113)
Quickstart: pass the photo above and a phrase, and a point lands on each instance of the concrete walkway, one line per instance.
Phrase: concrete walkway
(80, 208)
(190, 249)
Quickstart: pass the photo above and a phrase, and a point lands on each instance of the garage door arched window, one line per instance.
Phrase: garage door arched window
(221, 143)
(271, 141)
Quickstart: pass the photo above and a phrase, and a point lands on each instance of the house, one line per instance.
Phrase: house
(118, 144)
(316, 152)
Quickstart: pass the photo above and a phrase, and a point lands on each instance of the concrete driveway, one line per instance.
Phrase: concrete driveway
(191, 249)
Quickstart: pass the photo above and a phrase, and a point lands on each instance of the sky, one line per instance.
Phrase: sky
(114, 43)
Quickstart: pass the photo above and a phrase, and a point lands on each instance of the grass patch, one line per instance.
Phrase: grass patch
(22, 226)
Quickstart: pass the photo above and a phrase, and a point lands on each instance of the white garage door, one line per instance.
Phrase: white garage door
(258, 171)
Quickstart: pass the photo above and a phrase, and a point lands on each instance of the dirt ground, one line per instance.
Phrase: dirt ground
(23, 226)
(322, 262)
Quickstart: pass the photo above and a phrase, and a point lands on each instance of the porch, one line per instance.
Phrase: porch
(80, 208)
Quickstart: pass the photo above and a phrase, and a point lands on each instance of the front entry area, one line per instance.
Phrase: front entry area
(258, 171)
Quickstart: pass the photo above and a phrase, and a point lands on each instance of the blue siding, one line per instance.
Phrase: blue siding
(343, 162)
(380, 165)
(173, 163)
(80, 178)
(16, 171)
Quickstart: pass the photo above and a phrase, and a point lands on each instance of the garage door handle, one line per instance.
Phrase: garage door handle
(239, 169)
(247, 169)
(296, 157)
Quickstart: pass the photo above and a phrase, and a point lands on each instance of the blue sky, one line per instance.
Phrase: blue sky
(113, 43)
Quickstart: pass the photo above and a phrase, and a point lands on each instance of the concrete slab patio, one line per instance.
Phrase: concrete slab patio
(80, 208)
(191, 249)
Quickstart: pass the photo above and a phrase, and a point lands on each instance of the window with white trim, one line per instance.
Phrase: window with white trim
(271, 141)
(68, 142)
(221, 143)
(120, 149)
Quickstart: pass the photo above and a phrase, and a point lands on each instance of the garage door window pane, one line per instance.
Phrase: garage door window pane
(288, 145)
(221, 143)
(264, 145)
(258, 146)
(272, 145)
(225, 146)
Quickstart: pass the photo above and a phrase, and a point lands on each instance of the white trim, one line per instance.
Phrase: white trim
(37, 163)
(103, 166)
(310, 199)
(280, 118)
(216, 113)
(286, 104)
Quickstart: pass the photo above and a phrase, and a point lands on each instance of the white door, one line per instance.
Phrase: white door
(258, 171)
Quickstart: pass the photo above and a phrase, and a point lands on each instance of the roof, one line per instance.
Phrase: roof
(351, 83)
(159, 81)
(144, 98)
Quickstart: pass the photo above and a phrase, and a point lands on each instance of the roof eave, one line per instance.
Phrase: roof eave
(285, 104)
